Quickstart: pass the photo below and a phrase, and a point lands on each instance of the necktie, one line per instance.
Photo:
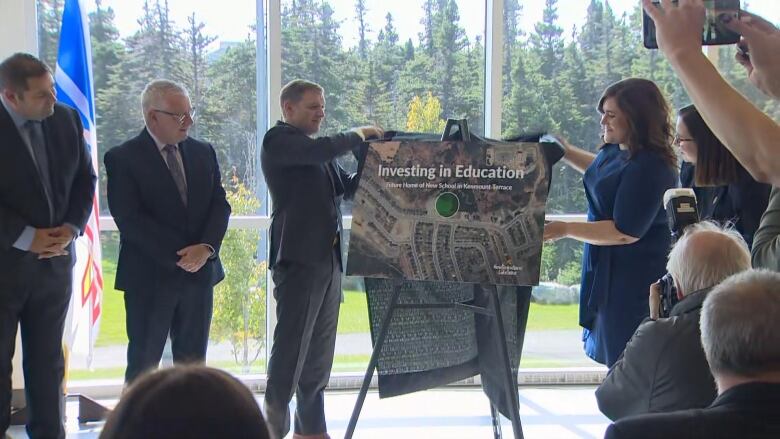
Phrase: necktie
(38, 145)
(176, 171)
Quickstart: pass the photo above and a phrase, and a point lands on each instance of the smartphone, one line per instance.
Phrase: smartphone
(714, 32)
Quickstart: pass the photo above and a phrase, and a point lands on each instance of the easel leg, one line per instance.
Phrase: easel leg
(511, 388)
(380, 340)
(495, 417)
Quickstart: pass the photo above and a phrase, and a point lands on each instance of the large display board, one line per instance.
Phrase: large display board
(450, 211)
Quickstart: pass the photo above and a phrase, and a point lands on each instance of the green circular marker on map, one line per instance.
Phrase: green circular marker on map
(447, 204)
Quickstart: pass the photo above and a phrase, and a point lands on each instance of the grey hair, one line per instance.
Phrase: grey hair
(739, 327)
(695, 270)
(157, 89)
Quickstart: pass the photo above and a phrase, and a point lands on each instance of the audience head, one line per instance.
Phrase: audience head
(715, 166)
(635, 114)
(740, 330)
(705, 255)
(168, 113)
(303, 105)
(186, 402)
(27, 86)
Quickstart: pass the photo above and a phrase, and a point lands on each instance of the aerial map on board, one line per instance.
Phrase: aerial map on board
(450, 211)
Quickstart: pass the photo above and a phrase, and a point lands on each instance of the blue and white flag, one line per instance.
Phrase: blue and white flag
(73, 79)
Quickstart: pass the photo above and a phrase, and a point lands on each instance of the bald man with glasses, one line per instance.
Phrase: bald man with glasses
(165, 193)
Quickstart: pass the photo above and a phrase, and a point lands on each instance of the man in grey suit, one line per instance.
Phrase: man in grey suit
(47, 185)
(306, 186)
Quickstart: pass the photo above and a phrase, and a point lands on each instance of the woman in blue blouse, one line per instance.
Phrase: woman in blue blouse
(626, 237)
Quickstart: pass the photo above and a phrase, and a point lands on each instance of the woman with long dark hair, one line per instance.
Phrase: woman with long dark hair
(626, 236)
(725, 191)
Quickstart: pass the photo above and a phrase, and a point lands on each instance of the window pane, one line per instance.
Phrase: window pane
(211, 50)
(406, 66)
(558, 58)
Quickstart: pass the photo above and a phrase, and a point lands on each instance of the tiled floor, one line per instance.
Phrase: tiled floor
(453, 413)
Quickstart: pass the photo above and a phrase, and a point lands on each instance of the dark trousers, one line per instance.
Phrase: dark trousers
(175, 306)
(35, 296)
(307, 311)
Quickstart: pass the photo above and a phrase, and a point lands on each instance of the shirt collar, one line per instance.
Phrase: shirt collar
(160, 145)
(690, 302)
(18, 119)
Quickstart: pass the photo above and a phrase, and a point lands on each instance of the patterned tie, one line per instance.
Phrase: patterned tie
(38, 145)
(176, 171)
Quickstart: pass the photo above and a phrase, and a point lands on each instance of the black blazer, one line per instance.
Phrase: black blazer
(153, 222)
(746, 411)
(306, 186)
(22, 197)
(741, 203)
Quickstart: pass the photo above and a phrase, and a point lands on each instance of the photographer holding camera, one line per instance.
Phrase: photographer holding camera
(663, 367)
(740, 336)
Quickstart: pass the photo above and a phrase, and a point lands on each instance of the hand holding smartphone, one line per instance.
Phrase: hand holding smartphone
(714, 32)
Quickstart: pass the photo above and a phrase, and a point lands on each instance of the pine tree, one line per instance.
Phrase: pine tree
(547, 41)
(195, 42)
(49, 23)
(363, 29)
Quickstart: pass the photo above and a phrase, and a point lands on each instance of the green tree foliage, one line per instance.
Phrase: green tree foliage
(239, 300)
(49, 22)
(552, 77)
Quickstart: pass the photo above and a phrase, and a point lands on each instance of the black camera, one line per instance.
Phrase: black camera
(681, 211)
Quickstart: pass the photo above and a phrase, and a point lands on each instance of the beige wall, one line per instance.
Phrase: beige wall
(17, 27)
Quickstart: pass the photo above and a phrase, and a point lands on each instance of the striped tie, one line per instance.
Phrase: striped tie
(176, 171)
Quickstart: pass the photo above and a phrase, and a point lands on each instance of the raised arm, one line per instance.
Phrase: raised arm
(576, 157)
(748, 133)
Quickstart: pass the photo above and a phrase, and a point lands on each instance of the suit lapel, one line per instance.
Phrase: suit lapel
(335, 178)
(17, 151)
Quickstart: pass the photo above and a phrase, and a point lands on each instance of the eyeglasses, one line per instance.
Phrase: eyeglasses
(180, 117)
(677, 140)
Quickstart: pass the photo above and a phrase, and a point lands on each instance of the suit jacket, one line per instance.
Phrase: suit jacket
(153, 221)
(663, 367)
(306, 187)
(22, 197)
(746, 411)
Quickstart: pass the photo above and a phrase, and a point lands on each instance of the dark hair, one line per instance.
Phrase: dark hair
(186, 401)
(293, 91)
(715, 166)
(647, 114)
(18, 68)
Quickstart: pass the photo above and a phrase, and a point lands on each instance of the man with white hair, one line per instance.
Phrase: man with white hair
(741, 338)
(165, 193)
(663, 367)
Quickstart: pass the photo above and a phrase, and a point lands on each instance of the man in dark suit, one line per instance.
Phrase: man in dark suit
(741, 339)
(165, 193)
(47, 185)
(306, 186)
